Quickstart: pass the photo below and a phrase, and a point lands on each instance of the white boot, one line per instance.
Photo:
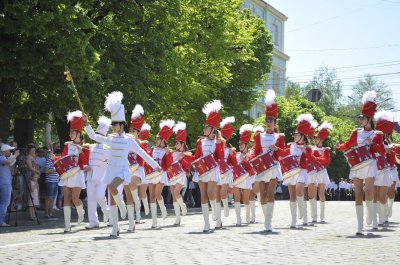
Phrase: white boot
(374, 216)
(265, 213)
(106, 212)
(131, 217)
(268, 219)
(206, 215)
(81, 213)
(293, 212)
(322, 213)
(177, 214)
(386, 214)
(136, 200)
(369, 212)
(153, 209)
(218, 224)
(121, 205)
(213, 205)
(258, 198)
(146, 206)
(114, 214)
(300, 204)
(381, 214)
(237, 211)
(226, 207)
(182, 205)
(305, 214)
(313, 206)
(67, 219)
(247, 207)
(360, 216)
(390, 205)
(253, 212)
(162, 208)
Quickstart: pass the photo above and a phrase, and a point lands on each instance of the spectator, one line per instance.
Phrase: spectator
(51, 181)
(7, 160)
(342, 189)
(32, 175)
(41, 155)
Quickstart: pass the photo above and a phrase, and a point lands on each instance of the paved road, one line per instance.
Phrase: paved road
(331, 243)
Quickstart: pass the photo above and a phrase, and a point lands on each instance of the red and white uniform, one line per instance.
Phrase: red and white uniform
(263, 142)
(248, 184)
(159, 155)
(358, 138)
(78, 180)
(391, 157)
(230, 160)
(185, 163)
(139, 172)
(323, 156)
(303, 159)
(384, 177)
(206, 147)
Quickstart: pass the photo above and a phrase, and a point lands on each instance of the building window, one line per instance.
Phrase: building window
(275, 34)
(276, 81)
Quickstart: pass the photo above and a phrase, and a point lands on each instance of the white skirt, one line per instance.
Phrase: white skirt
(182, 181)
(370, 171)
(162, 179)
(302, 177)
(247, 184)
(226, 179)
(212, 175)
(395, 174)
(384, 178)
(312, 178)
(121, 172)
(139, 173)
(273, 173)
(76, 181)
(323, 177)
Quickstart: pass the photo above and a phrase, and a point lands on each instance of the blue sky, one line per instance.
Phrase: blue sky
(357, 37)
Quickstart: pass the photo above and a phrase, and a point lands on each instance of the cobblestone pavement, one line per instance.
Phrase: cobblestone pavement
(331, 243)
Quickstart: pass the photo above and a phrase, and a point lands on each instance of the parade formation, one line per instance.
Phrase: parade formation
(121, 166)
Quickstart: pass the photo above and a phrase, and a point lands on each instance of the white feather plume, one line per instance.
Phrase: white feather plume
(270, 97)
(246, 127)
(76, 113)
(227, 120)
(104, 120)
(170, 123)
(305, 117)
(258, 128)
(137, 111)
(179, 126)
(326, 125)
(145, 127)
(384, 115)
(113, 101)
(314, 124)
(213, 106)
(369, 96)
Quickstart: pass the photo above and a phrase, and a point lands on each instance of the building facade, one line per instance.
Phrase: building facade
(274, 21)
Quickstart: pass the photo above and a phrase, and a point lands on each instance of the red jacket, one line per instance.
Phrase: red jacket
(280, 144)
(247, 166)
(304, 158)
(324, 159)
(376, 146)
(166, 161)
(232, 160)
(218, 154)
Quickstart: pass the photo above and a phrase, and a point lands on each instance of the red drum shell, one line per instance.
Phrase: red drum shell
(204, 164)
(175, 172)
(359, 157)
(290, 166)
(239, 174)
(66, 167)
(263, 162)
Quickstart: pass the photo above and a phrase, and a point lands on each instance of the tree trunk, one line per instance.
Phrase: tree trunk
(8, 96)
(62, 130)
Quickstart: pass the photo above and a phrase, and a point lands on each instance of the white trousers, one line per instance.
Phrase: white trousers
(95, 194)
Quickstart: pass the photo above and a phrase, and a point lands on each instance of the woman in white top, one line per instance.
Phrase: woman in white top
(120, 145)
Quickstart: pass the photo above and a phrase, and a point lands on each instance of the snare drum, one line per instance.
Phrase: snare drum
(359, 157)
(66, 167)
(382, 163)
(175, 172)
(133, 164)
(396, 149)
(152, 173)
(263, 162)
(290, 166)
(239, 174)
(204, 164)
(224, 168)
